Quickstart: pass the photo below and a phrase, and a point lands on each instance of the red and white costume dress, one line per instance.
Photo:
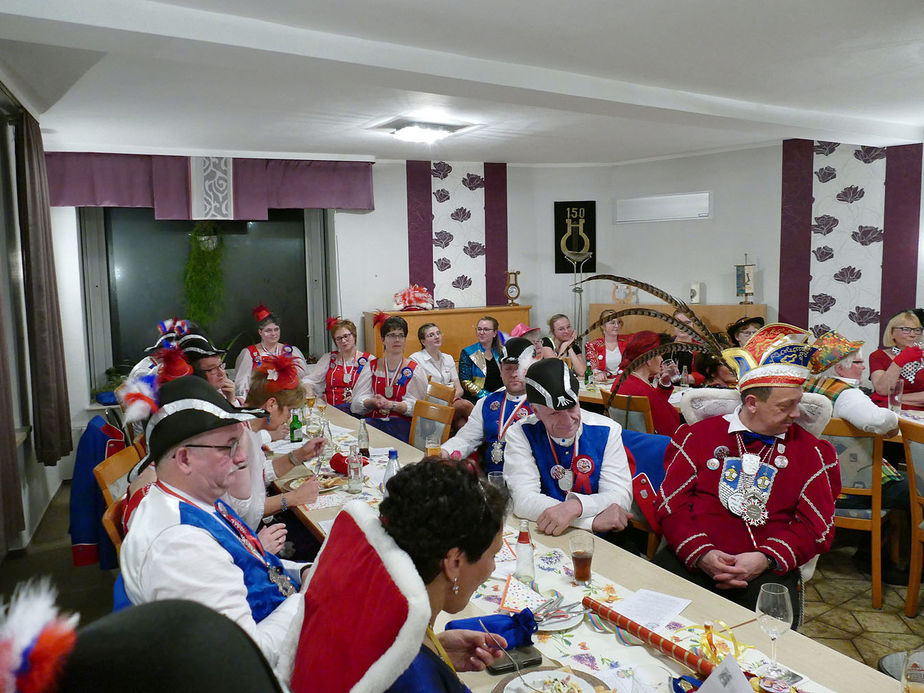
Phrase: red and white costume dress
(251, 357)
(599, 359)
(791, 494)
(406, 384)
(335, 380)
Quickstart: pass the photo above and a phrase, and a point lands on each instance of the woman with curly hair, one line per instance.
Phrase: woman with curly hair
(453, 557)
(431, 543)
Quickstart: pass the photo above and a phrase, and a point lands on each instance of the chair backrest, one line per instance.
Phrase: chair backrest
(112, 473)
(859, 455)
(632, 413)
(430, 420)
(112, 523)
(913, 439)
(437, 393)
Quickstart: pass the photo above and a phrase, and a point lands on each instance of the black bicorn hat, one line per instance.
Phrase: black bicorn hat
(188, 406)
(515, 348)
(551, 383)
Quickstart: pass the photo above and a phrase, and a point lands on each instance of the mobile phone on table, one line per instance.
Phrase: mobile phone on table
(527, 656)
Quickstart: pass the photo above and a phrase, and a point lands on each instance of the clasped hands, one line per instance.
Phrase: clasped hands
(558, 518)
(731, 571)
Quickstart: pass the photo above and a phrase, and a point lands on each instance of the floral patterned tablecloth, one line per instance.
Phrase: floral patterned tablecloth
(603, 655)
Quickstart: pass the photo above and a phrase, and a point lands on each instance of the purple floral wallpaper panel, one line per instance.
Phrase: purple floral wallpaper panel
(458, 234)
(848, 187)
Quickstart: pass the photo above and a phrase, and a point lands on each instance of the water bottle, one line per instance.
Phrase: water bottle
(295, 428)
(526, 569)
(362, 439)
(684, 378)
(355, 470)
(390, 470)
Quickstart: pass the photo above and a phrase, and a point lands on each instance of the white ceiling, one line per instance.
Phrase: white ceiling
(596, 81)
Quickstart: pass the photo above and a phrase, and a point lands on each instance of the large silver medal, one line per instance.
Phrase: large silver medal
(750, 463)
(566, 481)
(281, 580)
(497, 452)
(389, 391)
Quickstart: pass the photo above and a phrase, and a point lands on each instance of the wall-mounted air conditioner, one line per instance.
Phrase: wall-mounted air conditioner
(695, 205)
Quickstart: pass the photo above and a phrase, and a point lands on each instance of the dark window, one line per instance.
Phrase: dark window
(263, 261)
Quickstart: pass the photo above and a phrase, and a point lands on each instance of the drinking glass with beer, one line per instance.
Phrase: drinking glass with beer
(582, 554)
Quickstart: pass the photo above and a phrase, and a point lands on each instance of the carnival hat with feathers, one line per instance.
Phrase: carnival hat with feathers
(181, 409)
(281, 373)
(704, 339)
(776, 356)
(170, 330)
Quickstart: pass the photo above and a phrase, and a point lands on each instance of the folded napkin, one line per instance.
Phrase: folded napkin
(517, 629)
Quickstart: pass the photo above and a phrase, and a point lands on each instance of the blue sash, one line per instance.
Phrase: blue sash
(263, 595)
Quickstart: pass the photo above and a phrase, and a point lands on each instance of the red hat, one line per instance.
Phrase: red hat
(261, 313)
(281, 373)
(639, 343)
(363, 580)
(331, 322)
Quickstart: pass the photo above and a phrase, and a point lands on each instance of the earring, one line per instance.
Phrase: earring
(455, 585)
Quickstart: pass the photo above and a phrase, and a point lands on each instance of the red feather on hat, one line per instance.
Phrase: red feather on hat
(379, 318)
(172, 365)
(281, 373)
(331, 322)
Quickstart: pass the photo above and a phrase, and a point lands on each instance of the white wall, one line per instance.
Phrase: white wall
(746, 187)
(372, 251)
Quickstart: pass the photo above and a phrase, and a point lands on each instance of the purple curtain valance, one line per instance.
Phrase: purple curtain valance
(176, 187)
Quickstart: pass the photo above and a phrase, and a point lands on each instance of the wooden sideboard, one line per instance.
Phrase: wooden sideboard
(456, 324)
(717, 317)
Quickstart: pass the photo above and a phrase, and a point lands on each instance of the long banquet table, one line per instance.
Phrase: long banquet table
(821, 664)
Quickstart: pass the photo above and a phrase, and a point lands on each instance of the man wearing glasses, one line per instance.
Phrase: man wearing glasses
(207, 362)
(184, 542)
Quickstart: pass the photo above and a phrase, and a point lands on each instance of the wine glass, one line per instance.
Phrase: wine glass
(774, 616)
(321, 404)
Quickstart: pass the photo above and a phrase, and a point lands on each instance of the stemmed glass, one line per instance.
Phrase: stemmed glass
(774, 616)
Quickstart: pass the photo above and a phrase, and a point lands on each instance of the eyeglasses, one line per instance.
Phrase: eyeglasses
(484, 329)
(219, 367)
(344, 337)
(395, 335)
(909, 330)
(230, 448)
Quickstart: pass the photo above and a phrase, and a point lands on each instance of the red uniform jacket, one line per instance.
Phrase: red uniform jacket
(800, 522)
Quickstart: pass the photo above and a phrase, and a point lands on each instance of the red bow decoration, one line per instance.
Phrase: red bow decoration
(379, 318)
(261, 312)
(172, 365)
(281, 373)
(583, 467)
(331, 322)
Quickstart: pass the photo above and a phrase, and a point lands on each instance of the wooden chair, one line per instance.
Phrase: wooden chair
(631, 412)
(860, 458)
(913, 440)
(430, 420)
(112, 523)
(111, 474)
(437, 393)
(634, 414)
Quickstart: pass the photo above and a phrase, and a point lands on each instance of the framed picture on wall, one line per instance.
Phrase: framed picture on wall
(575, 235)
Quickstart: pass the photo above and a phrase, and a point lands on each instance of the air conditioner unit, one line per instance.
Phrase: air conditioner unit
(696, 205)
